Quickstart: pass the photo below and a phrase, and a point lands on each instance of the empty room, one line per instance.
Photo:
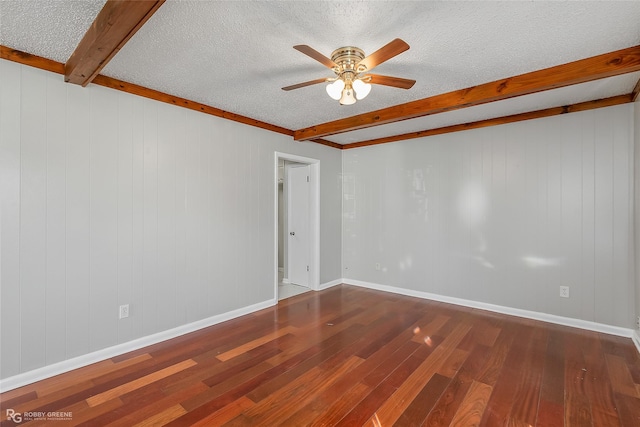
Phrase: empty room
(319, 213)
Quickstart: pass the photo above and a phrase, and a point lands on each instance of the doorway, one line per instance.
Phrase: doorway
(297, 225)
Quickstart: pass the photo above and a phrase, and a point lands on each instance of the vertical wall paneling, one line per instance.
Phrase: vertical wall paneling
(603, 211)
(473, 219)
(571, 244)
(33, 211)
(487, 252)
(125, 204)
(513, 222)
(253, 215)
(502, 224)
(529, 211)
(234, 185)
(78, 185)
(427, 214)
(166, 210)
(252, 231)
(210, 240)
(191, 227)
(137, 238)
(216, 179)
(111, 199)
(552, 258)
(241, 239)
(209, 283)
(226, 221)
(515, 212)
(56, 139)
(265, 217)
(587, 277)
(636, 155)
(104, 214)
(150, 219)
(238, 254)
(204, 283)
(188, 284)
(10, 159)
(622, 125)
(200, 203)
(180, 147)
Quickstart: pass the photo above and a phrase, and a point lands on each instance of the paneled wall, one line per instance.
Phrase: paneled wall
(503, 215)
(637, 207)
(109, 199)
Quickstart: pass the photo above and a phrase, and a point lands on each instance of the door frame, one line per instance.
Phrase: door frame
(314, 217)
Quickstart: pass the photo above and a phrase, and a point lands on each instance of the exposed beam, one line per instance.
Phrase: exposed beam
(115, 24)
(635, 92)
(57, 67)
(548, 112)
(327, 143)
(31, 60)
(581, 71)
(182, 102)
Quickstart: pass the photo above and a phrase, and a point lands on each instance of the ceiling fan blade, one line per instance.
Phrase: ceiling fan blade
(309, 83)
(311, 52)
(401, 83)
(386, 52)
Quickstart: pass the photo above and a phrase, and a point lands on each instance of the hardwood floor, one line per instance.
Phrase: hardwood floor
(349, 356)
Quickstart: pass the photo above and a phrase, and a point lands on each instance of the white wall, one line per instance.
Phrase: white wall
(502, 215)
(637, 206)
(109, 198)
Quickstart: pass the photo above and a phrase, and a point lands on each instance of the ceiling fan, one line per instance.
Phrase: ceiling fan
(353, 80)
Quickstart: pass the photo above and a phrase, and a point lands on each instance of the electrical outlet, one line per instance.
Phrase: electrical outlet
(564, 291)
(638, 322)
(124, 311)
(378, 266)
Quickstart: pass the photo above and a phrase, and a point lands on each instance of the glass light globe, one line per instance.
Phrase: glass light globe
(347, 96)
(335, 89)
(362, 89)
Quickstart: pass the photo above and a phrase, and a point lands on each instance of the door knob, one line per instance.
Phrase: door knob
(292, 233)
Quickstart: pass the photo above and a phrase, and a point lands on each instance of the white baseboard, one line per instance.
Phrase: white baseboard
(25, 378)
(551, 318)
(330, 284)
(285, 281)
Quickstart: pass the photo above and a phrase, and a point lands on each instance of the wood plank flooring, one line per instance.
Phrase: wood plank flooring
(349, 356)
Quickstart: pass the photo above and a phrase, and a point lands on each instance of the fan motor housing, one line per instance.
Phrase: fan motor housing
(347, 58)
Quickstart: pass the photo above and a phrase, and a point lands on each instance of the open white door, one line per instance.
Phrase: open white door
(299, 237)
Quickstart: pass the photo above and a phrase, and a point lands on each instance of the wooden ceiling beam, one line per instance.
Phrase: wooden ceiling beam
(185, 103)
(35, 61)
(325, 142)
(585, 70)
(20, 57)
(548, 112)
(115, 24)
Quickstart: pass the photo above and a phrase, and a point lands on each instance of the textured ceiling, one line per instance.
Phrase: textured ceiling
(236, 55)
(47, 28)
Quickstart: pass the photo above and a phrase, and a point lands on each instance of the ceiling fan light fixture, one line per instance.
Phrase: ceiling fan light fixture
(348, 97)
(335, 89)
(349, 65)
(361, 88)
